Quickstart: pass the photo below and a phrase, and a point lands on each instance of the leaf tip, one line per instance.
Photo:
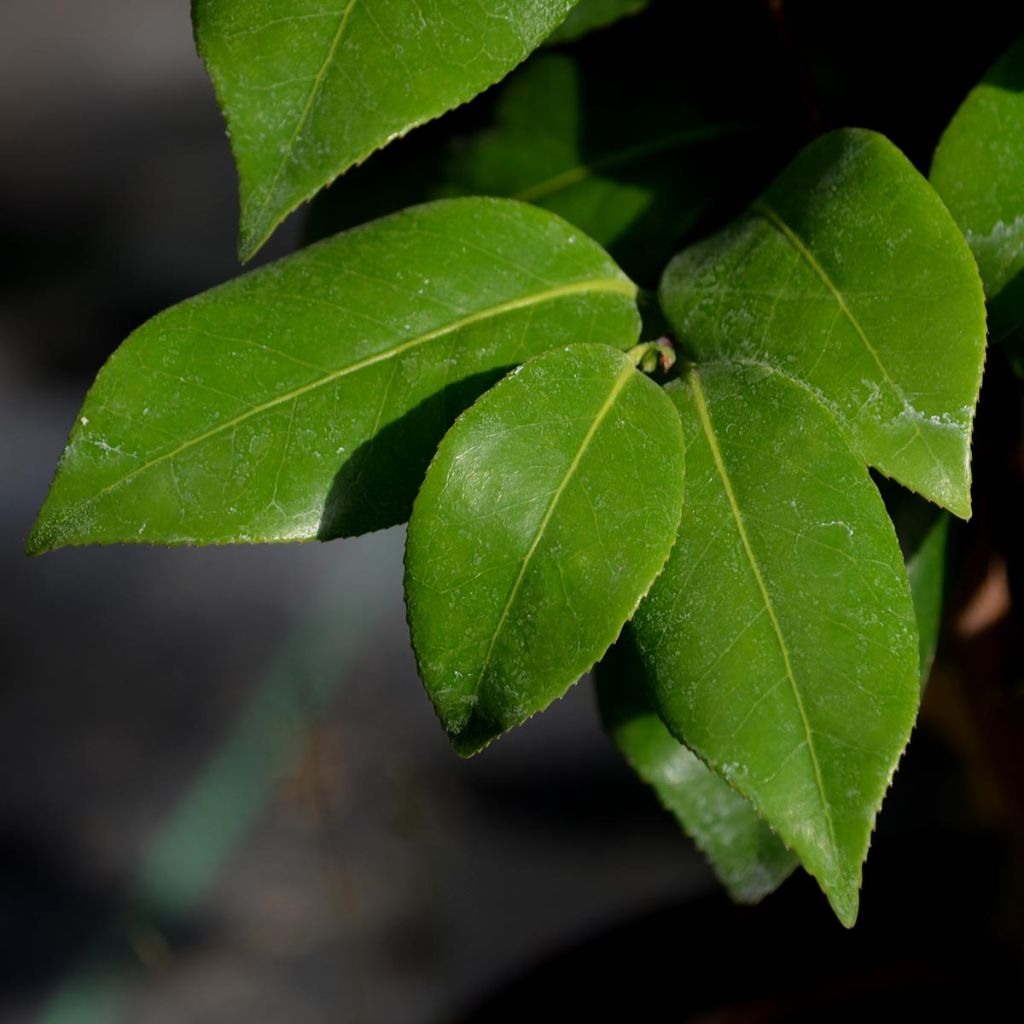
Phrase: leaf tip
(961, 507)
(955, 500)
(41, 538)
(250, 242)
(844, 899)
(259, 219)
(34, 548)
(471, 738)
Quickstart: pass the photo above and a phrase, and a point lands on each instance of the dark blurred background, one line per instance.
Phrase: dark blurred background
(223, 794)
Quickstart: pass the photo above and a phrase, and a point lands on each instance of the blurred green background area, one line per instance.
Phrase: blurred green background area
(223, 794)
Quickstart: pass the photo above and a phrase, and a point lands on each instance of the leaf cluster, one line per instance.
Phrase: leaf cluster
(466, 348)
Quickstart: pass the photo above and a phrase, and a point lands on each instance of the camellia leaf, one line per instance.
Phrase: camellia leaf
(631, 160)
(631, 163)
(744, 852)
(926, 571)
(311, 87)
(923, 533)
(545, 516)
(978, 170)
(749, 859)
(780, 641)
(850, 275)
(305, 399)
(588, 15)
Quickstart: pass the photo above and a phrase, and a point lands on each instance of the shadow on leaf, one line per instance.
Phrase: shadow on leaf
(375, 487)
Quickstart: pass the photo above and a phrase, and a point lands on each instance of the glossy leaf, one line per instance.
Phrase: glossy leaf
(850, 275)
(543, 520)
(979, 171)
(749, 859)
(589, 15)
(310, 88)
(305, 399)
(780, 640)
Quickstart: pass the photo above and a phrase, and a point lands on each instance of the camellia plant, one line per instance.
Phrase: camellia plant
(681, 488)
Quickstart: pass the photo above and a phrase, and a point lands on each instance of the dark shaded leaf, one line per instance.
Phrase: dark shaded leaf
(589, 15)
(923, 532)
(744, 852)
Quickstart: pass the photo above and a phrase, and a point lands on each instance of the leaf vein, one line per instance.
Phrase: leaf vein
(307, 108)
(522, 302)
(761, 208)
(716, 454)
(602, 413)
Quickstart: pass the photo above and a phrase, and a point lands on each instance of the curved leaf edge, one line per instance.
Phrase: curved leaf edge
(50, 533)
(466, 750)
(744, 896)
(962, 510)
(251, 240)
(845, 905)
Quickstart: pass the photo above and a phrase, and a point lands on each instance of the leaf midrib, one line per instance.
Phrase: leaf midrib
(611, 285)
(761, 208)
(307, 108)
(602, 413)
(709, 432)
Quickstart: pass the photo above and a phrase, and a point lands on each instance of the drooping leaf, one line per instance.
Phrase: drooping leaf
(311, 87)
(632, 161)
(979, 171)
(588, 15)
(850, 275)
(926, 571)
(923, 533)
(305, 399)
(545, 516)
(747, 856)
(780, 641)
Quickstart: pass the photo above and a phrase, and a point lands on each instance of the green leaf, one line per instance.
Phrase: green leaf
(978, 170)
(749, 859)
(850, 275)
(780, 640)
(305, 399)
(926, 571)
(631, 160)
(311, 87)
(545, 516)
(631, 163)
(588, 15)
(923, 533)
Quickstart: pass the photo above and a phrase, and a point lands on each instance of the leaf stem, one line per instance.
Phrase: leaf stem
(650, 356)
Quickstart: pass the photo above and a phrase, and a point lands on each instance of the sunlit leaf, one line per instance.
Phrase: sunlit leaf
(543, 520)
(978, 170)
(311, 87)
(850, 275)
(780, 641)
(306, 399)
